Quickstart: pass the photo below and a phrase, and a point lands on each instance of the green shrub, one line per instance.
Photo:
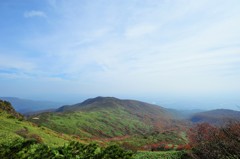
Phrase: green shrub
(25, 149)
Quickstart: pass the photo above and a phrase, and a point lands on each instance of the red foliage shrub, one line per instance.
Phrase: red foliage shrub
(167, 147)
(211, 142)
(202, 132)
(180, 147)
(188, 147)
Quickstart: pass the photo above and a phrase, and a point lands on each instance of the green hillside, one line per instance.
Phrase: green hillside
(103, 123)
(133, 125)
(13, 126)
(105, 117)
(112, 119)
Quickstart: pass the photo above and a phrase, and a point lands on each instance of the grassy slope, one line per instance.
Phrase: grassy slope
(112, 120)
(144, 142)
(99, 123)
(9, 126)
(108, 117)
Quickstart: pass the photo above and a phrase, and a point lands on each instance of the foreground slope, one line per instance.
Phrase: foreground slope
(108, 117)
(13, 126)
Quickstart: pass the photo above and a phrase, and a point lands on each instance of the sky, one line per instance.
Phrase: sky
(160, 51)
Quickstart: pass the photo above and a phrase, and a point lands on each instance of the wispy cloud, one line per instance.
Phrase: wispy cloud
(34, 13)
(133, 46)
(173, 32)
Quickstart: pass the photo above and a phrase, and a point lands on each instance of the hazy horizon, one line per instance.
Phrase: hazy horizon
(175, 53)
(178, 103)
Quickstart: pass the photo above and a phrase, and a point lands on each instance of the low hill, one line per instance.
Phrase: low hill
(217, 117)
(110, 118)
(26, 106)
(13, 126)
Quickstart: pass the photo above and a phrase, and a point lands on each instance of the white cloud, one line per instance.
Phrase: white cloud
(34, 13)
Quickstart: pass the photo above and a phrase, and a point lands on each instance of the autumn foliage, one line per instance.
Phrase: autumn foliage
(210, 142)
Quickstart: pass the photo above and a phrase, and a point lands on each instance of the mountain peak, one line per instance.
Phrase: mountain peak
(103, 103)
(98, 99)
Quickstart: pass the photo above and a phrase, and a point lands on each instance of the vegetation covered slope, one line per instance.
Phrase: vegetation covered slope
(13, 126)
(131, 123)
(16, 138)
(107, 117)
(6, 106)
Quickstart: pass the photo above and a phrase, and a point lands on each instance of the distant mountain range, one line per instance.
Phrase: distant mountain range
(136, 108)
(25, 105)
(216, 117)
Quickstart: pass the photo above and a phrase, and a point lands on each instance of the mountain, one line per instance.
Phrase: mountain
(112, 118)
(217, 117)
(25, 106)
(132, 106)
(13, 127)
(17, 134)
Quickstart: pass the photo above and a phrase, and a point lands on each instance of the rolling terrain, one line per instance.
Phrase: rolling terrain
(17, 134)
(148, 130)
(114, 120)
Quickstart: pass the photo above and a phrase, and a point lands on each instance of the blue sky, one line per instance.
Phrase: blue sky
(144, 49)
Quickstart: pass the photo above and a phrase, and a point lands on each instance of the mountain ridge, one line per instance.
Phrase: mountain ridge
(216, 116)
(111, 102)
(108, 117)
